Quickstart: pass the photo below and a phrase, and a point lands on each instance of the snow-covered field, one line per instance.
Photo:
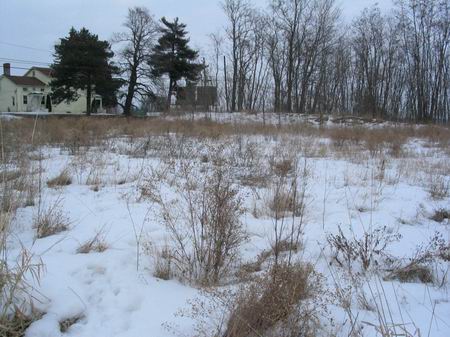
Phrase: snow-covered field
(113, 200)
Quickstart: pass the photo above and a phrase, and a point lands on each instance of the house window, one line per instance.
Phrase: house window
(42, 89)
(13, 101)
(25, 89)
(43, 100)
(25, 99)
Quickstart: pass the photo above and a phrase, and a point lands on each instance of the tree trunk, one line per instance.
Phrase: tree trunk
(88, 96)
(130, 93)
(169, 95)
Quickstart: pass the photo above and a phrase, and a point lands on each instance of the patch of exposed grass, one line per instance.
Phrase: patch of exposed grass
(62, 179)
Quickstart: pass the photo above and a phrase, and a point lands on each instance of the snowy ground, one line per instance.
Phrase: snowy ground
(114, 292)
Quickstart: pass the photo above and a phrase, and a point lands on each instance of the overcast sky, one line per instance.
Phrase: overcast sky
(38, 24)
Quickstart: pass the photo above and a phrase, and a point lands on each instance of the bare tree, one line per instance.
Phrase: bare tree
(238, 13)
(136, 42)
(299, 54)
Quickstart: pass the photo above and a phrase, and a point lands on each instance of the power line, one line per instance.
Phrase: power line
(4, 59)
(25, 47)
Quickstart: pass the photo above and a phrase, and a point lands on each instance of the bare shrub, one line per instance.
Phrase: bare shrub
(203, 223)
(284, 302)
(412, 272)
(286, 245)
(383, 311)
(62, 179)
(419, 266)
(367, 250)
(289, 199)
(96, 170)
(440, 215)
(163, 263)
(438, 187)
(258, 179)
(96, 244)
(16, 324)
(51, 221)
(283, 167)
(246, 269)
(282, 203)
(65, 324)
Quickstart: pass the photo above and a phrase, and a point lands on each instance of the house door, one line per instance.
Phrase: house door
(96, 103)
(48, 104)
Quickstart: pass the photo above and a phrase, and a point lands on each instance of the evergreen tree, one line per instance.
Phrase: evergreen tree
(173, 57)
(83, 62)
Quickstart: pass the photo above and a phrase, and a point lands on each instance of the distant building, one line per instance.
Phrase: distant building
(32, 92)
(197, 96)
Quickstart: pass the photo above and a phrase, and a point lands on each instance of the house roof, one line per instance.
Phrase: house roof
(46, 71)
(25, 80)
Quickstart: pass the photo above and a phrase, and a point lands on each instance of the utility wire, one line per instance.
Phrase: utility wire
(5, 59)
(25, 47)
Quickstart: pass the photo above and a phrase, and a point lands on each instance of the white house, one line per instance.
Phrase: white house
(32, 92)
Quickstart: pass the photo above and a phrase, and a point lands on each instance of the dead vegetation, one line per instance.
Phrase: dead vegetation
(62, 179)
(97, 245)
(367, 249)
(203, 223)
(203, 220)
(284, 302)
(51, 221)
(441, 215)
(67, 323)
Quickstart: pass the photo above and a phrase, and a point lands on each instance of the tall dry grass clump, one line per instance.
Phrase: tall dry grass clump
(51, 221)
(284, 302)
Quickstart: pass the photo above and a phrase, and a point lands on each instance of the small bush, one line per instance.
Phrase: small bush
(50, 222)
(16, 324)
(96, 244)
(413, 272)
(65, 324)
(246, 269)
(440, 215)
(286, 245)
(283, 302)
(283, 167)
(439, 187)
(63, 179)
(204, 225)
(163, 264)
(367, 250)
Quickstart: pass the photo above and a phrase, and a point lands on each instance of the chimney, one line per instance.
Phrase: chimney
(7, 69)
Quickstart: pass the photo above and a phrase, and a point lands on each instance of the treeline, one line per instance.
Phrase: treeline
(149, 53)
(298, 56)
(294, 56)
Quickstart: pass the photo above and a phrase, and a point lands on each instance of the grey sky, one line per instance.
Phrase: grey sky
(38, 24)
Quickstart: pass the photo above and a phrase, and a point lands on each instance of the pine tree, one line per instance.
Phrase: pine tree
(173, 57)
(83, 62)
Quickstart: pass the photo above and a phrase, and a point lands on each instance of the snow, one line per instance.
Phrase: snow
(114, 295)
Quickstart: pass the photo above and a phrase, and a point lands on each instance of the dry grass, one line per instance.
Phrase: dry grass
(97, 244)
(440, 215)
(51, 221)
(282, 167)
(65, 324)
(247, 269)
(282, 203)
(62, 179)
(413, 272)
(277, 302)
(439, 187)
(163, 263)
(16, 324)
